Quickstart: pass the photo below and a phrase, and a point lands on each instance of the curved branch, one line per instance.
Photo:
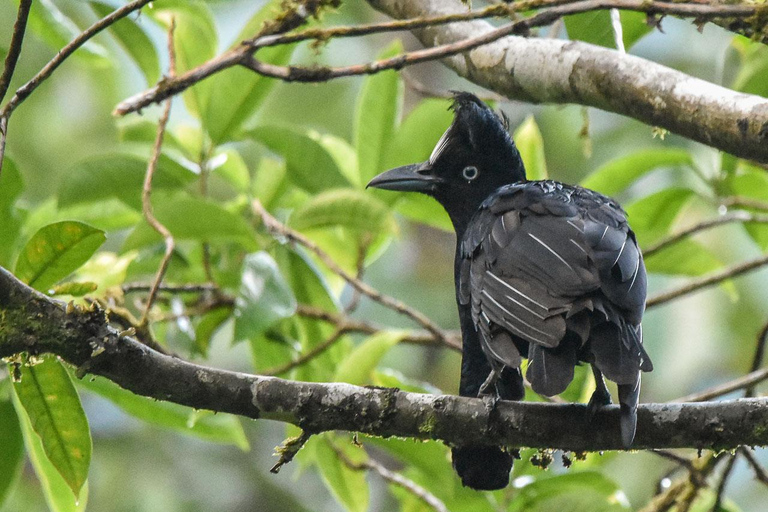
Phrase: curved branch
(14, 50)
(32, 322)
(556, 71)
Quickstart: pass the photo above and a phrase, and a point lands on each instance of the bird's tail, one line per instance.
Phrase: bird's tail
(629, 394)
(483, 467)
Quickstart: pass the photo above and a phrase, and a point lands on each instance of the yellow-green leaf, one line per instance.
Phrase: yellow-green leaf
(376, 116)
(56, 416)
(344, 207)
(531, 146)
(358, 366)
(56, 251)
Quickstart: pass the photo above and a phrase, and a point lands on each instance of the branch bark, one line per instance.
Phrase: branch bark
(32, 322)
(555, 71)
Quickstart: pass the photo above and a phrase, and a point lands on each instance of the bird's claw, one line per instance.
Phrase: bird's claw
(599, 399)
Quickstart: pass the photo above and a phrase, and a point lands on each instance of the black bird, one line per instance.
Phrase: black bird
(543, 270)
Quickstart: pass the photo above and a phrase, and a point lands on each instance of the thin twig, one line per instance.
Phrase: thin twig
(289, 449)
(720, 493)
(746, 202)
(757, 359)
(737, 216)
(683, 492)
(709, 280)
(362, 251)
(677, 459)
(424, 90)
(25, 90)
(747, 380)
(305, 358)
(3, 138)
(760, 472)
(206, 248)
(281, 229)
(542, 18)
(452, 338)
(394, 478)
(14, 50)
(146, 201)
(293, 17)
(242, 55)
(170, 288)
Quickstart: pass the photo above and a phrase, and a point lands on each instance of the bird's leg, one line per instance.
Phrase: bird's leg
(489, 386)
(601, 397)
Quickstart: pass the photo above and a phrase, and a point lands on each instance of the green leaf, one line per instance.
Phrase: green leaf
(750, 181)
(75, 289)
(216, 428)
(350, 208)
(53, 407)
(56, 251)
(57, 493)
(413, 142)
(616, 175)
(208, 326)
(310, 165)
(652, 216)
(189, 218)
(195, 42)
(11, 186)
(358, 367)
(529, 142)
(120, 176)
(269, 181)
(56, 29)
(344, 156)
(264, 297)
(134, 41)
(752, 76)
(686, 257)
(107, 214)
(239, 92)
(232, 168)
(298, 333)
(595, 27)
(144, 131)
(13, 449)
(415, 138)
(574, 492)
(347, 486)
(376, 116)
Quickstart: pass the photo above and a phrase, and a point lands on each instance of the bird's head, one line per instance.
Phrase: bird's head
(474, 157)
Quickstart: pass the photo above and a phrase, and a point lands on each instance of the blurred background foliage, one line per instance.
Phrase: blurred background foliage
(72, 179)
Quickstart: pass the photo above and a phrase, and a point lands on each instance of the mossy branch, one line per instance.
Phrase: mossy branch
(34, 323)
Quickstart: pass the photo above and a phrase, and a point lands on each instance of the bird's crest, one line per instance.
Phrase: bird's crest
(483, 127)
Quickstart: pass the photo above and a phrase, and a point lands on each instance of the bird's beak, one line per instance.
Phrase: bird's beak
(409, 178)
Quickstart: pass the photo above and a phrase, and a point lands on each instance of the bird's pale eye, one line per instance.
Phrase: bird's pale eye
(470, 172)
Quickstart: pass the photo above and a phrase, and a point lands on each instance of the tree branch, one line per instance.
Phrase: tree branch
(281, 229)
(146, 191)
(14, 50)
(580, 73)
(34, 323)
(708, 280)
(28, 88)
(737, 216)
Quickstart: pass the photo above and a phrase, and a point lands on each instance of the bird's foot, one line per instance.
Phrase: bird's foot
(600, 398)
(489, 386)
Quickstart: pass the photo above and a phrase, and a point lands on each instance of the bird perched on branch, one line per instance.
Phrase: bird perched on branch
(543, 270)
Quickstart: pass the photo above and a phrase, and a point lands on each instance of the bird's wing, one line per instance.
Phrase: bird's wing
(540, 262)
